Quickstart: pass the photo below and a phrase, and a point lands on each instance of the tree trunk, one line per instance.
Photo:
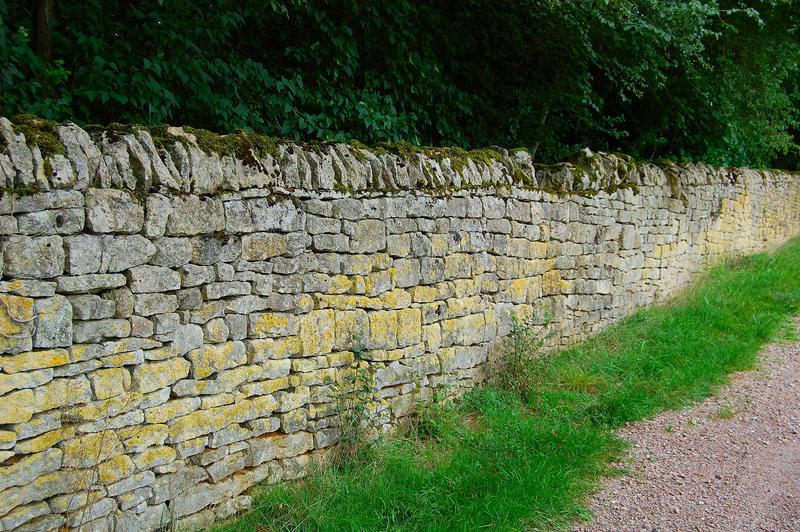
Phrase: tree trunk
(43, 29)
(542, 122)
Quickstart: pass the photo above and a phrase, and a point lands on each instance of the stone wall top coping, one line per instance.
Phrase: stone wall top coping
(37, 155)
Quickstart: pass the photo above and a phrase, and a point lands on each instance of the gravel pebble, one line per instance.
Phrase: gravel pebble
(729, 463)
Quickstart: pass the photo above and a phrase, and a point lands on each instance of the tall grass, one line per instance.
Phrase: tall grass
(528, 459)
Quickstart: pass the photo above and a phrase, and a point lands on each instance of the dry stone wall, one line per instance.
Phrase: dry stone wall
(174, 318)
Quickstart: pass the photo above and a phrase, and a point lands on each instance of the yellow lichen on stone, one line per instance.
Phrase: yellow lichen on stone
(115, 468)
(45, 441)
(91, 449)
(35, 360)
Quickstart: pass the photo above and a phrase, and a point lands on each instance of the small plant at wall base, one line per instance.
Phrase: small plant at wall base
(353, 394)
(523, 352)
(509, 461)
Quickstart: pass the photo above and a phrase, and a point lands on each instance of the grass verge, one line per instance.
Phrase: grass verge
(527, 460)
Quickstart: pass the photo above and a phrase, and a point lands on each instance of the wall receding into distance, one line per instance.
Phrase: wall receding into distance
(176, 306)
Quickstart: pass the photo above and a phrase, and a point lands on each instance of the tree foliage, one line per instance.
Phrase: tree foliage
(715, 80)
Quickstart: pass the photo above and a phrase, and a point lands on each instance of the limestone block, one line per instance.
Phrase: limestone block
(192, 215)
(16, 407)
(215, 248)
(81, 284)
(172, 252)
(151, 303)
(35, 360)
(29, 467)
(33, 257)
(263, 246)
(110, 382)
(53, 322)
(113, 211)
(156, 375)
(96, 330)
(153, 279)
(16, 324)
(28, 379)
(123, 252)
(62, 392)
(272, 447)
(210, 359)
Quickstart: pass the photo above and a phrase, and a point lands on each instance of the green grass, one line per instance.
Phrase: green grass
(528, 461)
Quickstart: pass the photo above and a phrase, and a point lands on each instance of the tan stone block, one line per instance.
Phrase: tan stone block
(396, 299)
(261, 350)
(106, 408)
(44, 441)
(139, 437)
(108, 383)
(341, 358)
(24, 380)
(317, 332)
(431, 337)
(352, 328)
(154, 456)
(7, 439)
(16, 323)
(210, 358)
(423, 294)
(272, 325)
(551, 283)
(35, 360)
(130, 358)
(263, 246)
(171, 409)
(203, 422)
(382, 330)
(16, 407)
(90, 450)
(156, 375)
(265, 387)
(409, 327)
(115, 468)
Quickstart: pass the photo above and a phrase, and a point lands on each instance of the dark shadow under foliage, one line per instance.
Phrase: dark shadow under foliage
(714, 80)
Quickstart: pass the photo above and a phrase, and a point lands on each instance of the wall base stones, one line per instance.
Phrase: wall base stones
(173, 322)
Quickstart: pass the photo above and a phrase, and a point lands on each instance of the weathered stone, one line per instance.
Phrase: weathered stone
(97, 330)
(263, 246)
(29, 467)
(123, 252)
(16, 407)
(16, 324)
(275, 447)
(152, 303)
(53, 322)
(153, 279)
(13, 520)
(210, 359)
(33, 258)
(155, 375)
(20, 381)
(113, 211)
(214, 248)
(172, 252)
(191, 215)
(82, 284)
(62, 392)
(110, 382)
(28, 288)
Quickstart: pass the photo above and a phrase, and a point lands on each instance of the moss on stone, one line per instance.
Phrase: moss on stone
(40, 133)
(113, 131)
(247, 147)
(21, 191)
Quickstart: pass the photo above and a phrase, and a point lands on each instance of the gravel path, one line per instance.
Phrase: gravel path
(729, 463)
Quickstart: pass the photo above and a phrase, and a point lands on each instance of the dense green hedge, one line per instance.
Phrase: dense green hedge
(698, 79)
